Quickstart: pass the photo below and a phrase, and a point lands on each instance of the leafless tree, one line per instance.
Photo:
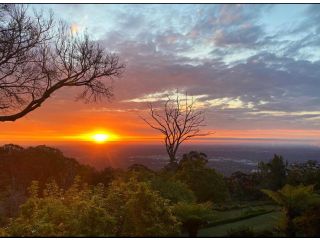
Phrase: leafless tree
(39, 56)
(178, 121)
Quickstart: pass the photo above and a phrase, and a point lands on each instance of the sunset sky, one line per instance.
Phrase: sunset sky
(254, 69)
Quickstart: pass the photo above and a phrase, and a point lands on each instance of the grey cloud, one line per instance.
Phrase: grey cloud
(271, 81)
(231, 24)
(244, 36)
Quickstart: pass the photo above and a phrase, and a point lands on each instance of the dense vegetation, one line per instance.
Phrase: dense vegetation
(44, 193)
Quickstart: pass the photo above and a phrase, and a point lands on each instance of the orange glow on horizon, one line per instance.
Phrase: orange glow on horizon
(105, 136)
(78, 124)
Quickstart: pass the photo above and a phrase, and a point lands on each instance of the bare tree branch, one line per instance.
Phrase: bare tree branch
(178, 121)
(37, 58)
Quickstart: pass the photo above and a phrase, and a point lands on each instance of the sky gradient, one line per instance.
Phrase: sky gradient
(254, 69)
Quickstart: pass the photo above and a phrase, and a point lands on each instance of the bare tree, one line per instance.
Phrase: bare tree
(37, 58)
(178, 121)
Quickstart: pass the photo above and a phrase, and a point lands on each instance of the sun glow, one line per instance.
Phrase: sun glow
(100, 137)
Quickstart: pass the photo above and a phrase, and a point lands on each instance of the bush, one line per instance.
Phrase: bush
(140, 211)
(175, 191)
(206, 183)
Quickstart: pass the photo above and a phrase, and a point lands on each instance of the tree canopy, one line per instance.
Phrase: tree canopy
(205, 182)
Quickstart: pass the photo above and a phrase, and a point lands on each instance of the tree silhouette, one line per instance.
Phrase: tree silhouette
(178, 121)
(39, 57)
(274, 172)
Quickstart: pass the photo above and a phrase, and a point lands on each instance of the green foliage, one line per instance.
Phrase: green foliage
(140, 202)
(173, 190)
(40, 163)
(195, 158)
(80, 211)
(273, 173)
(293, 197)
(3, 233)
(193, 215)
(200, 212)
(140, 172)
(140, 211)
(244, 186)
(308, 223)
(305, 173)
(128, 208)
(20, 166)
(107, 175)
(295, 202)
(206, 183)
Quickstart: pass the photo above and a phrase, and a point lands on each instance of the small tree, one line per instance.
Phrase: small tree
(273, 173)
(294, 200)
(178, 121)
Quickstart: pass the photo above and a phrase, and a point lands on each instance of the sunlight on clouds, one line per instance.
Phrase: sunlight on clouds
(239, 56)
(229, 103)
(163, 96)
(198, 51)
(153, 97)
(283, 113)
(222, 103)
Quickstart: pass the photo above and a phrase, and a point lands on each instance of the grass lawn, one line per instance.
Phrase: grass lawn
(263, 222)
(235, 213)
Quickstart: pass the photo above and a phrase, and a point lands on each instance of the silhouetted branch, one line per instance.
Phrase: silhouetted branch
(178, 121)
(38, 58)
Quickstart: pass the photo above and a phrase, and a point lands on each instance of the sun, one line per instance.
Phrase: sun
(100, 137)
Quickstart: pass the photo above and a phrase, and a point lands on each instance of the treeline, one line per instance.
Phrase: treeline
(295, 188)
(44, 193)
(273, 175)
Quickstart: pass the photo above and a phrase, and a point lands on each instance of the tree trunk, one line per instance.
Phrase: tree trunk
(290, 228)
(172, 159)
(172, 156)
(193, 232)
(192, 228)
